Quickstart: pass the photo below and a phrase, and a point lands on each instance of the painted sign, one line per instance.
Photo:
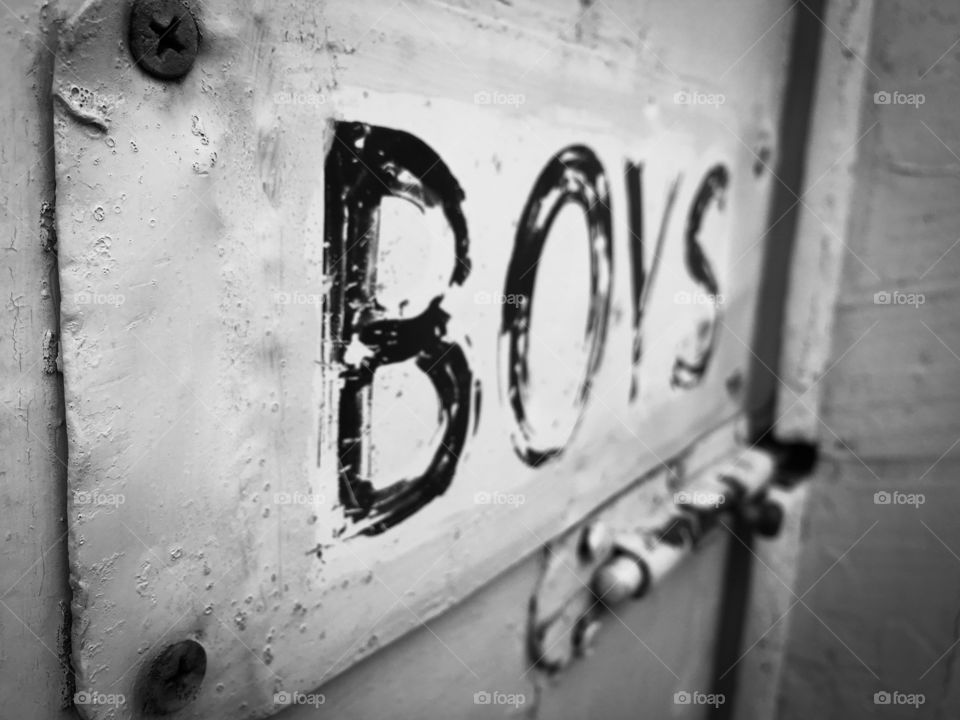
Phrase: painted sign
(368, 164)
(344, 346)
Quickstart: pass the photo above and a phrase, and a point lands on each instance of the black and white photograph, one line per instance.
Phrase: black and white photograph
(480, 359)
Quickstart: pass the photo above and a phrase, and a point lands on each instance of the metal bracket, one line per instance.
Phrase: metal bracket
(610, 559)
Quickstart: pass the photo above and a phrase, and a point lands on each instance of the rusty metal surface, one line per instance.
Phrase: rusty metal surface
(218, 317)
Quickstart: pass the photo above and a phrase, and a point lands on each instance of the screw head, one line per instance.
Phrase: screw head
(164, 37)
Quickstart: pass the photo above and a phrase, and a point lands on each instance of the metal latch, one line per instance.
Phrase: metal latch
(613, 557)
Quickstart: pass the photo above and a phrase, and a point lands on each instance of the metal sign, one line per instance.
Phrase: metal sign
(341, 341)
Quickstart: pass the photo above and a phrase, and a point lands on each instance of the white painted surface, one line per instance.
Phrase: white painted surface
(657, 36)
(197, 206)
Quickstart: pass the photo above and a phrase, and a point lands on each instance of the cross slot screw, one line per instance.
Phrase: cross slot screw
(164, 38)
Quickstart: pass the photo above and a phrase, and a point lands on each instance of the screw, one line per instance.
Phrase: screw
(164, 37)
(172, 681)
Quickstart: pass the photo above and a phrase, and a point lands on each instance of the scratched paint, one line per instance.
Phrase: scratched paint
(691, 364)
(365, 165)
(573, 176)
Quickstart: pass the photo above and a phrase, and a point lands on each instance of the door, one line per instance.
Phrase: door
(364, 306)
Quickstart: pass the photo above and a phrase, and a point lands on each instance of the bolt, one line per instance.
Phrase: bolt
(621, 578)
(164, 37)
(172, 681)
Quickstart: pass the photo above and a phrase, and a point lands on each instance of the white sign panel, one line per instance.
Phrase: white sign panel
(343, 339)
